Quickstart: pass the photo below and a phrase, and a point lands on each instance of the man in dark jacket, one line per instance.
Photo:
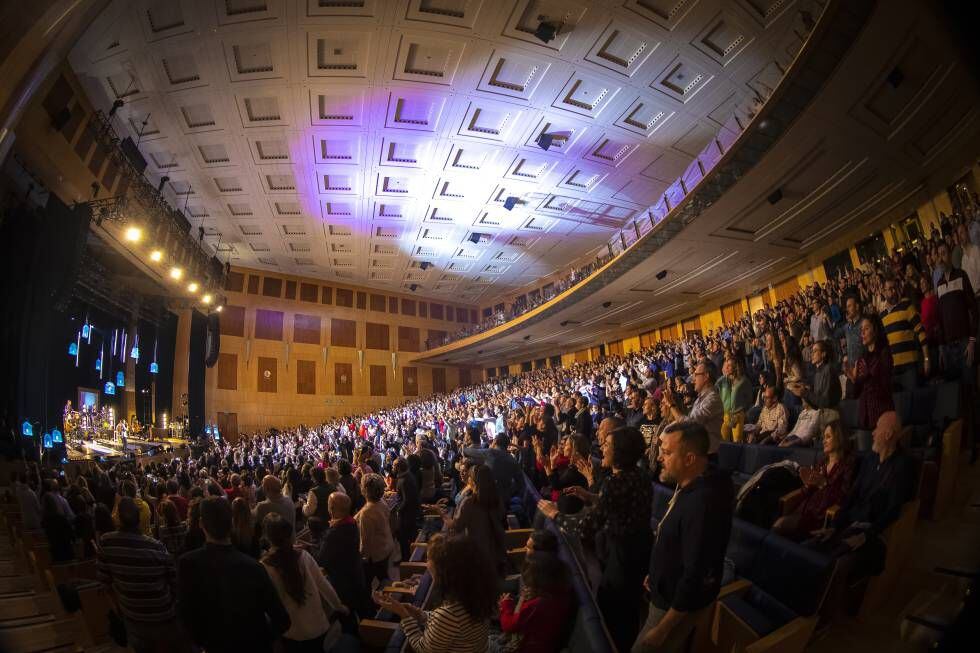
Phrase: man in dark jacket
(689, 549)
(409, 506)
(225, 598)
(583, 419)
(340, 556)
(507, 473)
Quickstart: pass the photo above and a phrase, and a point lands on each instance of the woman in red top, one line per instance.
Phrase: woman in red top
(872, 376)
(824, 486)
(929, 315)
(536, 622)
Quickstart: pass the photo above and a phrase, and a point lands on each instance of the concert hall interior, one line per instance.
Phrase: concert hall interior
(506, 326)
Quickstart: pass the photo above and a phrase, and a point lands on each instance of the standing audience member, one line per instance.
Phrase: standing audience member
(244, 534)
(735, 392)
(706, 409)
(340, 555)
(373, 524)
(139, 574)
(170, 530)
(690, 541)
(227, 601)
(301, 587)
(872, 375)
(409, 506)
(275, 501)
(479, 516)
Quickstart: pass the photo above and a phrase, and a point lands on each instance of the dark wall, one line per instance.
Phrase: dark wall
(195, 374)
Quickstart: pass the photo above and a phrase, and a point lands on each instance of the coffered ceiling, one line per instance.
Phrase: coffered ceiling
(355, 140)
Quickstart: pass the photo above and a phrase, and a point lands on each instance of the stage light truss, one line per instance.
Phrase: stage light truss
(141, 201)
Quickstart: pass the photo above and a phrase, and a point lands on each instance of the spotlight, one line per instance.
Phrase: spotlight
(192, 287)
(206, 299)
(95, 189)
(544, 141)
(425, 265)
(606, 304)
(156, 256)
(547, 31)
(527, 337)
(133, 234)
(563, 323)
(477, 238)
(219, 308)
(163, 182)
(661, 275)
(176, 274)
(413, 287)
(775, 196)
(200, 234)
(511, 202)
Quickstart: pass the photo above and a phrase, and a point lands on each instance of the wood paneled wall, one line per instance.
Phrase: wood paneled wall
(325, 357)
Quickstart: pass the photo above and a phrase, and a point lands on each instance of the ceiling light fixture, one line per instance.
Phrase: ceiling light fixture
(511, 202)
(206, 299)
(176, 274)
(547, 31)
(156, 256)
(544, 141)
(134, 234)
(192, 287)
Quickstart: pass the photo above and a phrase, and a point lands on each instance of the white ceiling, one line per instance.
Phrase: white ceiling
(353, 140)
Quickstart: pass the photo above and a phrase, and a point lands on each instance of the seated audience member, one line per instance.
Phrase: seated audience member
(170, 530)
(534, 623)
(461, 623)
(226, 600)
(773, 422)
(374, 528)
(139, 574)
(301, 586)
(275, 501)
(872, 375)
(479, 516)
(685, 565)
(617, 528)
(339, 554)
(735, 391)
(824, 486)
(808, 424)
(57, 529)
(886, 480)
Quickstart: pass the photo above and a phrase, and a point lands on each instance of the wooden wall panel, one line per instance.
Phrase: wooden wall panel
(272, 287)
(268, 324)
(435, 337)
(253, 284)
(343, 379)
(410, 381)
(462, 315)
(408, 339)
(615, 348)
(305, 377)
(306, 329)
(361, 300)
(343, 333)
(307, 292)
(786, 289)
(377, 336)
(232, 321)
(438, 379)
(235, 282)
(326, 295)
(345, 298)
(408, 307)
(267, 373)
(731, 313)
(465, 377)
(290, 289)
(435, 310)
(378, 303)
(423, 309)
(227, 372)
(393, 305)
(378, 380)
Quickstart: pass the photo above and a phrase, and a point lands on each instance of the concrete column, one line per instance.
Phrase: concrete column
(128, 408)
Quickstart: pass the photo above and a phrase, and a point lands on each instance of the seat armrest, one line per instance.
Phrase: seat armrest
(830, 515)
(790, 502)
(735, 587)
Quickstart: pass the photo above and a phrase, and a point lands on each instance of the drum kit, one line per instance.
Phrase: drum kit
(90, 424)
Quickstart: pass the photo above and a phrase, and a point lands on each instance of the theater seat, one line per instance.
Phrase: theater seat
(762, 613)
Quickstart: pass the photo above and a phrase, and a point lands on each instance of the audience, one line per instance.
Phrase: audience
(227, 601)
(535, 622)
(689, 543)
(301, 587)
(373, 522)
(339, 553)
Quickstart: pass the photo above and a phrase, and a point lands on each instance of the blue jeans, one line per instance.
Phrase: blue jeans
(954, 363)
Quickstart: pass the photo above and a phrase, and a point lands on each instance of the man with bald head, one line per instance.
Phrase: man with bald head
(886, 480)
(340, 555)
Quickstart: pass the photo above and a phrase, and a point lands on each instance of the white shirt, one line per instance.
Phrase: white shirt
(308, 620)
(971, 265)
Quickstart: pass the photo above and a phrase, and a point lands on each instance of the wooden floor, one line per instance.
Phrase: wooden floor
(953, 541)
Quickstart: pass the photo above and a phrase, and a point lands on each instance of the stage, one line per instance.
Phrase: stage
(101, 450)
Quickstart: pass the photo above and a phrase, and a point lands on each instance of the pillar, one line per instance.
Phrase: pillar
(182, 343)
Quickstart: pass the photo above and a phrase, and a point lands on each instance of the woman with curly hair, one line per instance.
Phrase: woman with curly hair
(461, 624)
(535, 621)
